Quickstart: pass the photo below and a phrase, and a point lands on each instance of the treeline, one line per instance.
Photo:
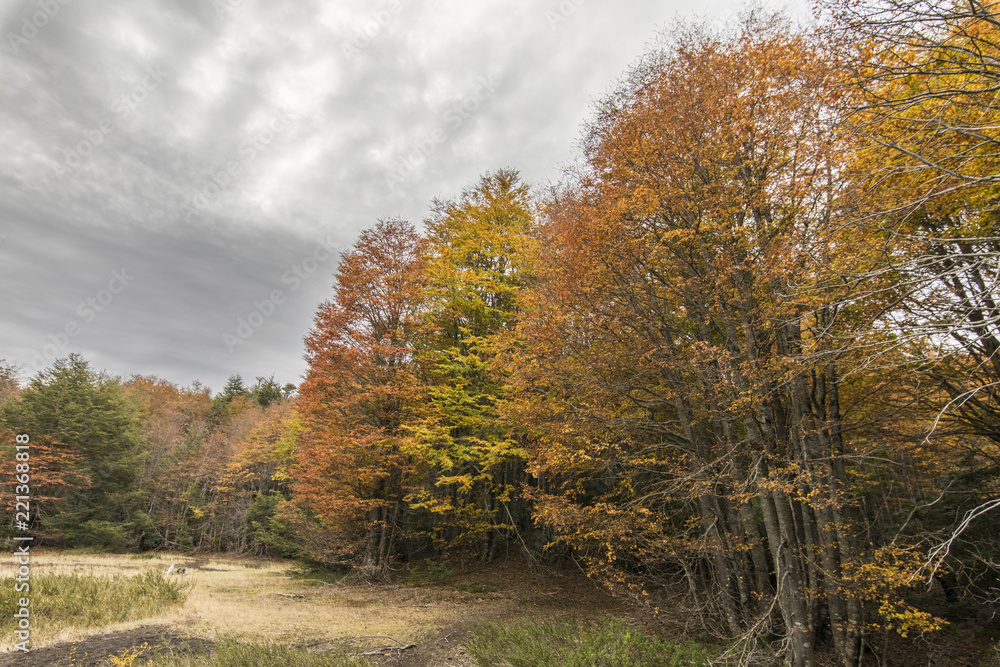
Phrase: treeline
(744, 363)
(137, 464)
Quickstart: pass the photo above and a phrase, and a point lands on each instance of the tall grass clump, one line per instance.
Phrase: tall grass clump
(60, 600)
(233, 653)
(571, 643)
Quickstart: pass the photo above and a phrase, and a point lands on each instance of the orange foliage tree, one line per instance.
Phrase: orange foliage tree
(688, 342)
(354, 469)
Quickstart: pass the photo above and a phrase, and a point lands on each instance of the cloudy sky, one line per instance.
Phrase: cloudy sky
(169, 166)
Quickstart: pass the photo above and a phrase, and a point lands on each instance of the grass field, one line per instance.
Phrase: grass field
(251, 612)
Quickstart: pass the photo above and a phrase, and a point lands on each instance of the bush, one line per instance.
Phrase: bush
(435, 574)
(272, 535)
(100, 535)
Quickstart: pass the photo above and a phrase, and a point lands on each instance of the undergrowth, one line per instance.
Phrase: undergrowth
(571, 643)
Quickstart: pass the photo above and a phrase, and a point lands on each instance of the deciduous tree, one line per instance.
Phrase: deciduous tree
(690, 336)
(354, 469)
(477, 252)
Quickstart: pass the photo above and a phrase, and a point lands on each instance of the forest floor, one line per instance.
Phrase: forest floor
(429, 610)
(260, 600)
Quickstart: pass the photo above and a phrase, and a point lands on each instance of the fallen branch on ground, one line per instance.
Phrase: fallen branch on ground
(382, 650)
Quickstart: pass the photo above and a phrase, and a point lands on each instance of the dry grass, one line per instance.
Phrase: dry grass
(260, 607)
(62, 600)
(242, 598)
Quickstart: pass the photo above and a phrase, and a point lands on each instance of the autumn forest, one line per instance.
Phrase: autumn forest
(741, 365)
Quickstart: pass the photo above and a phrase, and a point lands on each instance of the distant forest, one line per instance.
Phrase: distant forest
(744, 361)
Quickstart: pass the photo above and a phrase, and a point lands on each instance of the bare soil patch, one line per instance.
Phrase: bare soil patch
(93, 651)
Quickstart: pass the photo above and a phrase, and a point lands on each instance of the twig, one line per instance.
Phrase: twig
(937, 555)
(386, 649)
(354, 639)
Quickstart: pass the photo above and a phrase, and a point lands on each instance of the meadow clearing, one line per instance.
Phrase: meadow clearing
(123, 610)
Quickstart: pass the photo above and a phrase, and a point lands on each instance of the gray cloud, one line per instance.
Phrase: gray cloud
(158, 99)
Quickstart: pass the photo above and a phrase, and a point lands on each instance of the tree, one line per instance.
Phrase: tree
(690, 340)
(266, 391)
(90, 421)
(924, 77)
(176, 422)
(923, 100)
(476, 264)
(353, 466)
(233, 399)
(10, 384)
(257, 480)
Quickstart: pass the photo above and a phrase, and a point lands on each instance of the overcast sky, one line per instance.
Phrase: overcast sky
(169, 166)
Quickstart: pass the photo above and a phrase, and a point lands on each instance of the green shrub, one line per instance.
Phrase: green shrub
(435, 573)
(571, 643)
(271, 534)
(101, 536)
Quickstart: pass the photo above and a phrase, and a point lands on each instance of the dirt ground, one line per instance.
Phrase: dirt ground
(93, 651)
(505, 593)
